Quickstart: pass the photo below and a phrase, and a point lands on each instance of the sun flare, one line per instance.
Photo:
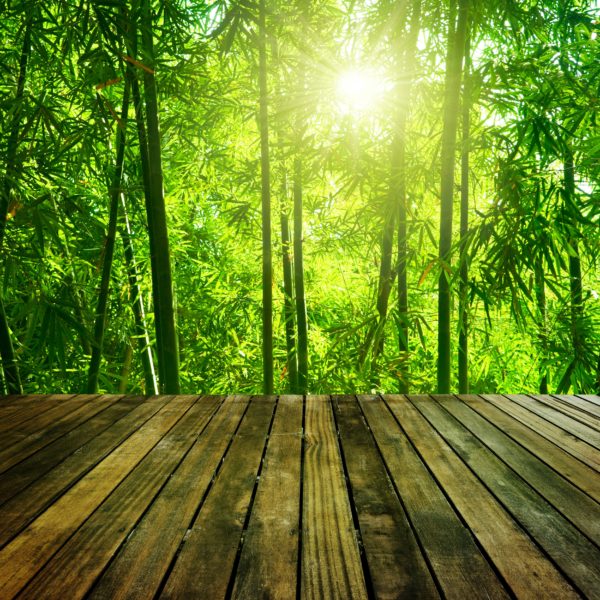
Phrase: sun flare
(359, 91)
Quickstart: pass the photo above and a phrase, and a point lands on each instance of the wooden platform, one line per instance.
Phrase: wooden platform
(342, 497)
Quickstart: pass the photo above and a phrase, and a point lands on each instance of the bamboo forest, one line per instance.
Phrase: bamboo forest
(253, 196)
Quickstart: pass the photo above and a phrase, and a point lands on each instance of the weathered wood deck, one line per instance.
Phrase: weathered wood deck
(343, 497)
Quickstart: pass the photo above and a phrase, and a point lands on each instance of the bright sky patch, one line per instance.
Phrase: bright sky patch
(360, 91)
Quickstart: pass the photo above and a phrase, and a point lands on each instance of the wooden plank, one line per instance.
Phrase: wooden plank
(396, 564)
(35, 545)
(331, 564)
(12, 398)
(570, 408)
(77, 411)
(8, 404)
(73, 569)
(268, 565)
(27, 471)
(30, 416)
(206, 559)
(567, 441)
(594, 398)
(574, 553)
(11, 415)
(580, 404)
(523, 566)
(574, 427)
(460, 568)
(578, 473)
(39, 417)
(577, 507)
(23, 508)
(143, 560)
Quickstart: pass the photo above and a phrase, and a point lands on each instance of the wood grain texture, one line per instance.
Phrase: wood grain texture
(574, 426)
(23, 557)
(43, 416)
(29, 470)
(575, 471)
(577, 507)
(579, 404)
(210, 547)
(524, 567)
(460, 568)
(18, 445)
(331, 564)
(594, 398)
(269, 560)
(299, 497)
(396, 564)
(19, 409)
(575, 554)
(75, 567)
(557, 435)
(143, 560)
(11, 399)
(22, 508)
(568, 406)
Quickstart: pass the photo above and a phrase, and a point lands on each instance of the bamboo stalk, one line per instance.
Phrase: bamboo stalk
(288, 301)
(10, 366)
(463, 300)
(298, 201)
(130, 38)
(540, 294)
(575, 279)
(301, 317)
(267, 261)
(143, 147)
(109, 248)
(157, 221)
(137, 304)
(456, 46)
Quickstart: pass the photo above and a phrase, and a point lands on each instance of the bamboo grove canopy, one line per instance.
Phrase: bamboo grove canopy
(328, 196)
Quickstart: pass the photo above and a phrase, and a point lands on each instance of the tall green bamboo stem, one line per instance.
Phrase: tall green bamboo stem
(456, 47)
(157, 220)
(301, 317)
(575, 280)
(540, 294)
(143, 146)
(140, 118)
(298, 199)
(288, 301)
(12, 376)
(399, 174)
(267, 260)
(391, 210)
(396, 207)
(384, 286)
(109, 248)
(137, 304)
(463, 299)
(299, 287)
